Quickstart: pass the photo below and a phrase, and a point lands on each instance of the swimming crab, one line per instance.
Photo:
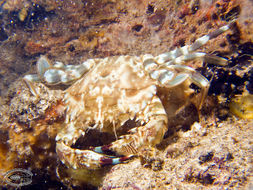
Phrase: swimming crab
(105, 93)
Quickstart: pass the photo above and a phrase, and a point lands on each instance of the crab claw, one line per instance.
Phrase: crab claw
(77, 158)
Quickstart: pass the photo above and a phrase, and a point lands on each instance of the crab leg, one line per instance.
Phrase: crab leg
(174, 75)
(58, 73)
(147, 135)
(77, 158)
(188, 49)
(198, 55)
(196, 78)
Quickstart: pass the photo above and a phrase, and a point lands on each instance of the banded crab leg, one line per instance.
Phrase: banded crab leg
(57, 73)
(168, 70)
(186, 52)
(174, 75)
(77, 158)
(147, 135)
